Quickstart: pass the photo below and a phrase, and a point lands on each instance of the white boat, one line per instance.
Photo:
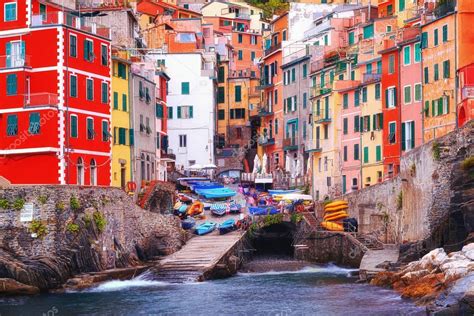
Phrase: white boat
(293, 197)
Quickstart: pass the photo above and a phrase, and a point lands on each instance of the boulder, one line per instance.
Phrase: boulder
(430, 285)
(384, 279)
(12, 287)
(455, 269)
(468, 251)
(414, 276)
(433, 259)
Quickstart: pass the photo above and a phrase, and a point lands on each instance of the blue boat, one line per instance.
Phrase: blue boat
(216, 193)
(205, 228)
(206, 186)
(188, 223)
(263, 210)
(235, 208)
(275, 192)
(227, 226)
(218, 209)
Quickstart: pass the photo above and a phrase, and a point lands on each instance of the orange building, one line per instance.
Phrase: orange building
(271, 85)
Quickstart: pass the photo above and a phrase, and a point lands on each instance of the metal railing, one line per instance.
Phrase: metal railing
(41, 99)
(272, 49)
(265, 140)
(323, 116)
(370, 77)
(14, 61)
(57, 18)
(289, 142)
(243, 73)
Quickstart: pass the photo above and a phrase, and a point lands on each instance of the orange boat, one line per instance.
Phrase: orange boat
(196, 208)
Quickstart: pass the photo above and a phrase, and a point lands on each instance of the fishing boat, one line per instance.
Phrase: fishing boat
(292, 197)
(205, 228)
(216, 193)
(235, 208)
(227, 226)
(274, 192)
(218, 209)
(188, 223)
(262, 210)
(181, 211)
(196, 208)
(206, 186)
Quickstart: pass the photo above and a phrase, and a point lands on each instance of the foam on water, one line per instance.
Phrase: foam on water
(326, 269)
(118, 285)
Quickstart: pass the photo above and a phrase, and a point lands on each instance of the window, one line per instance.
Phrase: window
(408, 135)
(424, 40)
(445, 33)
(89, 89)
(236, 114)
(122, 71)
(436, 39)
(356, 123)
(379, 67)
(159, 111)
(221, 75)
(366, 154)
(115, 100)
(124, 102)
(293, 75)
(369, 31)
(345, 100)
(426, 75)
(104, 55)
(391, 64)
(407, 94)
(252, 56)
(378, 121)
(305, 70)
(240, 55)
(284, 35)
(345, 153)
(105, 131)
(356, 151)
(238, 94)
(253, 40)
(351, 38)
(240, 38)
(221, 115)
(389, 28)
(326, 40)
(417, 52)
(418, 95)
(392, 127)
(275, 98)
(170, 112)
(406, 55)
(401, 5)
(12, 86)
(276, 126)
(105, 93)
(184, 87)
(88, 50)
(369, 68)
(357, 98)
(364, 94)
(72, 46)
(10, 11)
(446, 69)
(122, 136)
(436, 72)
(220, 95)
(12, 125)
(391, 97)
(304, 100)
(90, 128)
(345, 126)
(73, 86)
(344, 184)
(185, 112)
(182, 141)
(377, 91)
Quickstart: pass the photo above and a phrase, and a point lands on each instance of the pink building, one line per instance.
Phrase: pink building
(411, 93)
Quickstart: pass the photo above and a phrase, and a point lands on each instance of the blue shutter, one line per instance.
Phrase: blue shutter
(124, 102)
(8, 49)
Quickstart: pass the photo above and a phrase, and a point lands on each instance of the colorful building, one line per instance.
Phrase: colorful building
(55, 98)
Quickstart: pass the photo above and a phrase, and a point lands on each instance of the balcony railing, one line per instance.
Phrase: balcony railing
(467, 92)
(41, 99)
(317, 65)
(243, 73)
(265, 111)
(323, 116)
(100, 4)
(290, 143)
(371, 77)
(14, 61)
(265, 140)
(84, 24)
(316, 145)
(272, 49)
(317, 91)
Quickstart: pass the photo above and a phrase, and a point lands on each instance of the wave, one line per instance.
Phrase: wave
(326, 269)
(119, 285)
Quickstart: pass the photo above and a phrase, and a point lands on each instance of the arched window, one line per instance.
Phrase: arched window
(80, 171)
(93, 172)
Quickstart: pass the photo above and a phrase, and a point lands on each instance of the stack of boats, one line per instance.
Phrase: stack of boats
(268, 203)
(334, 214)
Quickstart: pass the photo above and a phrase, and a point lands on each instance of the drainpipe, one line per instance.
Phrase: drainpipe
(455, 93)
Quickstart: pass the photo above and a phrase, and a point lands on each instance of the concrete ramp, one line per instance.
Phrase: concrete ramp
(372, 258)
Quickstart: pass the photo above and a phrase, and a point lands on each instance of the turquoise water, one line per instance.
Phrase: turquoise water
(313, 290)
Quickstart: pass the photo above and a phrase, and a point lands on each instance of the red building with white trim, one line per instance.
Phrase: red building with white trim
(54, 96)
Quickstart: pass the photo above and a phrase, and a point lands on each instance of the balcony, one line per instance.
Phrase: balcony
(168, 154)
(265, 140)
(265, 83)
(14, 61)
(467, 92)
(58, 18)
(323, 116)
(265, 111)
(272, 49)
(312, 145)
(317, 65)
(243, 73)
(318, 91)
(100, 4)
(211, 73)
(371, 77)
(290, 143)
(41, 99)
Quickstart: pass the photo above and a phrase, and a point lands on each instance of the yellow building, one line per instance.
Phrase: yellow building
(121, 151)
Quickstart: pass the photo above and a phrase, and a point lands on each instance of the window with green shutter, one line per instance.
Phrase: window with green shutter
(401, 5)
(12, 84)
(391, 133)
(379, 67)
(12, 125)
(435, 37)
(104, 55)
(34, 127)
(377, 91)
(90, 128)
(406, 55)
(378, 153)
(105, 131)
(221, 75)
(115, 100)
(446, 69)
(345, 100)
(364, 94)
(424, 40)
(89, 89)
(105, 93)
(418, 95)
(357, 98)
(369, 31)
(345, 153)
(122, 71)
(369, 68)
(221, 115)
(356, 151)
(240, 38)
(404, 147)
(326, 40)
(72, 46)
(345, 126)
(366, 154)
(433, 108)
(184, 87)
(391, 64)
(220, 95)
(436, 72)
(322, 80)
(10, 12)
(445, 33)
(159, 110)
(440, 106)
(305, 97)
(293, 75)
(88, 50)
(73, 126)
(170, 112)
(305, 70)
(122, 136)
(417, 52)
(407, 94)
(131, 137)
(252, 56)
(240, 55)
(427, 108)
(124, 102)
(356, 123)
(351, 38)
(238, 94)
(426, 75)
(73, 86)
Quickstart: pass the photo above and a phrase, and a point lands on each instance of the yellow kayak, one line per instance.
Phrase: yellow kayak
(335, 203)
(327, 217)
(336, 217)
(332, 226)
(335, 209)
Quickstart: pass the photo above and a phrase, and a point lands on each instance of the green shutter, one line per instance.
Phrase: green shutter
(346, 125)
(356, 98)
(124, 102)
(221, 75)
(401, 6)
(293, 75)
(73, 91)
(436, 72)
(105, 93)
(179, 112)
(433, 108)
(12, 85)
(356, 123)
(170, 112)
(369, 31)
(374, 122)
(440, 106)
(381, 121)
(184, 87)
(191, 111)
(406, 55)
(73, 126)
(351, 38)
(344, 184)
(436, 39)
(377, 91)
(368, 123)
(220, 95)
(131, 136)
(417, 52)
(445, 33)
(238, 93)
(378, 153)
(424, 40)
(446, 66)
(413, 134)
(105, 131)
(426, 74)
(356, 151)
(366, 154)
(115, 100)
(34, 127)
(8, 49)
(403, 137)
(86, 49)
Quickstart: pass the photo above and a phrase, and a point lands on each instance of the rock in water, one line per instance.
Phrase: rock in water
(12, 287)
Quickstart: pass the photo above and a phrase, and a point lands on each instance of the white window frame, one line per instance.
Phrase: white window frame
(108, 132)
(5, 11)
(77, 86)
(77, 125)
(391, 97)
(404, 94)
(92, 51)
(188, 108)
(445, 104)
(395, 123)
(93, 131)
(414, 92)
(107, 47)
(77, 46)
(408, 132)
(409, 54)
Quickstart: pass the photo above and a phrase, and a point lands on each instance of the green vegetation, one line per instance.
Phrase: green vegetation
(38, 228)
(436, 151)
(468, 163)
(42, 199)
(74, 203)
(60, 206)
(18, 204)
(296, 218)
(4, 204)
(400, 200)
(87, 220)
(72, 228)
(270, 7)
(100, 221)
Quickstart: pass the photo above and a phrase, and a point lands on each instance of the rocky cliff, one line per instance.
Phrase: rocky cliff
(50, 233)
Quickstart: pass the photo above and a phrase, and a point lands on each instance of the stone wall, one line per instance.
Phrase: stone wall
(76, 239)
(433, 189)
